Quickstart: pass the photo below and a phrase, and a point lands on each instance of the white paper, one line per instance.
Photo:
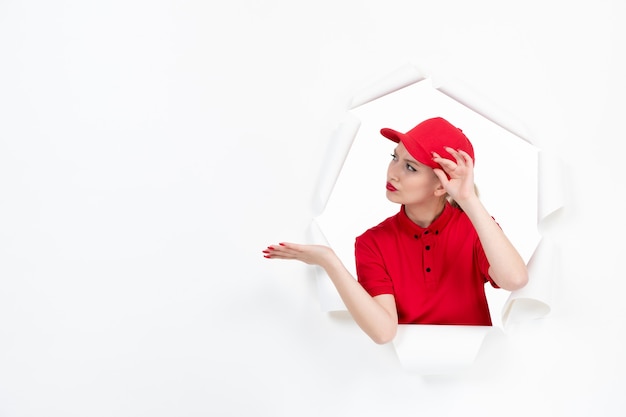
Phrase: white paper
(533, 301)
(340, 144)
(436, 350)
(551, 189)
(328, 296)
(402, 77)
(479, 104)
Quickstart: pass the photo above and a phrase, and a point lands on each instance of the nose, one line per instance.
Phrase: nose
(392, 171)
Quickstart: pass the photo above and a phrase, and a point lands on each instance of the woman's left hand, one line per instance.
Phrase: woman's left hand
(457, 177)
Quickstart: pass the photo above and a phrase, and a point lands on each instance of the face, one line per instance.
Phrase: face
(410, 182)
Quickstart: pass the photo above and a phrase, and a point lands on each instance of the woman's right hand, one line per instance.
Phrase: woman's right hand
(309, 254)
(377, 316)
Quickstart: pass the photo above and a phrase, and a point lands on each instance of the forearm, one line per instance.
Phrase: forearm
(377, 318)
(507, 268)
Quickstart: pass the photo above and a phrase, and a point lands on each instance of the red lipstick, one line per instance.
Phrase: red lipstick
(391, 187)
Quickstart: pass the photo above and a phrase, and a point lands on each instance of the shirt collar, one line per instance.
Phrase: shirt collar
(434, 228)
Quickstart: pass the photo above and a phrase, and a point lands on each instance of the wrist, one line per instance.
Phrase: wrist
(330, 262)
(468, 203)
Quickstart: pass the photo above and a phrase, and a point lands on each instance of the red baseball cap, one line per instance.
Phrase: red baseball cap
(430, 136)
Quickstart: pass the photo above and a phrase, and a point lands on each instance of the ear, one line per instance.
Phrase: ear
(440, 176)
(440, 190)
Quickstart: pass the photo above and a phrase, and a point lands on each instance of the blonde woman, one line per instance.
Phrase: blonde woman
(427, 264)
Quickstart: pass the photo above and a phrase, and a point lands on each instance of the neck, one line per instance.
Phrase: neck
(424, 214)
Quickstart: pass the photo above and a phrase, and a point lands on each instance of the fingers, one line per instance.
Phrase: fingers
(288, 251)
(280, 251)
(462, 161)
(441, 175)
(445, 163)
(461, 157)
(309, 254)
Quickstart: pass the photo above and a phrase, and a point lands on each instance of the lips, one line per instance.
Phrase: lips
(391, 187)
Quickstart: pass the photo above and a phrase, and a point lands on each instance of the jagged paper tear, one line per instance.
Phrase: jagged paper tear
(551, 190)
(328, 295)
(530, 302)
(437, 350)
(482, 106)
(340, 144)
(404, 76)
(533, 301)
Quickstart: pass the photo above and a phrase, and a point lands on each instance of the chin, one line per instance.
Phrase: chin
(393, 198)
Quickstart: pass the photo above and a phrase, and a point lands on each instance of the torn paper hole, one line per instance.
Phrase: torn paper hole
(351, 197)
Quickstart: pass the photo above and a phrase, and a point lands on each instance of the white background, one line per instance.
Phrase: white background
(149, 150)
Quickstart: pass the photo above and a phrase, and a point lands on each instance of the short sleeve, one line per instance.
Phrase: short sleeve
(370, 267)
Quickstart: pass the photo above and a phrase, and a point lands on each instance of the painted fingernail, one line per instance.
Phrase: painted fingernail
(266, 251)
(270, 248)
(267, 257)
(281, 244)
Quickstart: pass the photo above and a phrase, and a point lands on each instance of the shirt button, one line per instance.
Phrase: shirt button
(426, 232)
(427, 247)
(416, 236)
(427, 269)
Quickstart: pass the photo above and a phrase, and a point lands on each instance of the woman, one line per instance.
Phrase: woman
(427, 264)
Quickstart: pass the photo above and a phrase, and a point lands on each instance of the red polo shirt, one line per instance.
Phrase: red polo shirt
(436, 274)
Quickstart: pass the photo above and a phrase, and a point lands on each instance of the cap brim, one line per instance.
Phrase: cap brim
(391, 134)
(414, 148)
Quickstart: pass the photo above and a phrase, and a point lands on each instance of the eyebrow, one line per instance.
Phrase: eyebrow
(395, 151)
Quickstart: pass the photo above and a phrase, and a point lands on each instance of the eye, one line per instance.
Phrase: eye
(410, 168)
(394, 156)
